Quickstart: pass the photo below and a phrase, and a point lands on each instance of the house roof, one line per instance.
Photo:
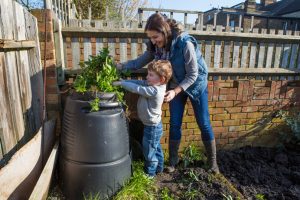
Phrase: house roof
(282, 7)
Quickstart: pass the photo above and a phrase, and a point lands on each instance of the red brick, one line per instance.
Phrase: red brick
(236, 128)
(234, 109)
(227, 97)
(217, 117)
(248, 121)
(258, 102)
(220, 129)
(217, 111)
(216, 123)
(238, 116)
(250, 109)
(254, 115)
(228, 91)
(223, 104)
(231, 122)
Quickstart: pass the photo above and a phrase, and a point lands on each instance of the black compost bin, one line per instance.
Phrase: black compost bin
(94, 156)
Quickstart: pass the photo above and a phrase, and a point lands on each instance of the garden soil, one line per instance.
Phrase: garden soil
(246, 173)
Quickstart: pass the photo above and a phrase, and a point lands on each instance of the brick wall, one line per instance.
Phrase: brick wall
(241, 112)
(52, 92)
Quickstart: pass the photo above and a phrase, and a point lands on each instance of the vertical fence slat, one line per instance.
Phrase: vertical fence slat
(295, 49)
(245, 57)
(87, 46)
(75, 53)
(99, 44)
(144, 45)
(133, 48)
(269, 59)
(217, 53)
(261, 55)
(8, 139)
(285, 55)
(278, 54)
(123, 50)
(235, 56)
(252, 58)
(111, 46)
(22, 60)
(208, 45)
(227, 56)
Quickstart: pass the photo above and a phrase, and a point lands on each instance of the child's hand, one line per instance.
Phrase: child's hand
(116, 83)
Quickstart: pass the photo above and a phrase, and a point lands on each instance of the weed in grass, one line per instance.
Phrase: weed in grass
(139, 187)
(260, 197)
(192, 194)
(193, 175)
(164, 195)
(191, 155)
(227, 197)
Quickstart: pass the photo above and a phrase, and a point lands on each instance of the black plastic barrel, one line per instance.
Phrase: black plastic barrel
(94, 156)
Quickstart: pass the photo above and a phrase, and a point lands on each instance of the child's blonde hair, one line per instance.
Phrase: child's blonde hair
(162, 68)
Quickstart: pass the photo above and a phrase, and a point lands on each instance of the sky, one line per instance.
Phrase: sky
(192, 5)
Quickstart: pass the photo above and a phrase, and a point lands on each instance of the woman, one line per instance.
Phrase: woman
(189, 80)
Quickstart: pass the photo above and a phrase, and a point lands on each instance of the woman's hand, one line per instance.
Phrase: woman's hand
(169, 95)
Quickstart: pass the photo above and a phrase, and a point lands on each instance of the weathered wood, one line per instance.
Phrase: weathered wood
(111, 46)
(6, 45)
(227, 54)
(134, 50)
(87, 48)
(170, 10)
(217, 52)
(207, 56)
(261, 55)
(123, 50)
(7, 136)
(293, 61)
(244, 57)
(99, 45)
(40, 191)
(75, 53)
(236, 55)
(285, 56)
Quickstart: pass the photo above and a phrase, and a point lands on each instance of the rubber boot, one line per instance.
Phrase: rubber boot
(173, 155)
(210, 147)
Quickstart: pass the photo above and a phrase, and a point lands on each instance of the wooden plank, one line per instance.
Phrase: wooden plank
(286, 55)
(34, 115)
(18, 177)
(298, 61)
(236, 55)
(217, 53)
(293, 60)
(134, 50)
(245, 57)
(7, 20)
(252, 58)
(254, 71)
(22, 60)
(75, 53)
(7, 136)
(40, 191)
(261, 55)
(227, 54)
(111, 46)
(99, 44)
(278, 55)
(87, 48)
(208, 45)
(11, 45)
(98, 24)
(144, 45)
(123, 49)
(270, 53)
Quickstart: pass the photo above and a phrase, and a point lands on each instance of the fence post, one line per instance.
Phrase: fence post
(140, 11)
(185, 19)
(48, 4)
(171, 15)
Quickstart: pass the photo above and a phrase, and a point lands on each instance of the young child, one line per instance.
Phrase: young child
(151, 96)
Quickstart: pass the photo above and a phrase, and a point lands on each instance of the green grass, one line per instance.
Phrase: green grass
(139, 186)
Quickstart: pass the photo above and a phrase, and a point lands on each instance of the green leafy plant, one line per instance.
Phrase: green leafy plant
(165, 194)
(97, 76)
(192, 194)
(191, 154)
(260, 197)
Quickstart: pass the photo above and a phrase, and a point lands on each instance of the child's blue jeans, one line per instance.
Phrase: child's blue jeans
(154, 157)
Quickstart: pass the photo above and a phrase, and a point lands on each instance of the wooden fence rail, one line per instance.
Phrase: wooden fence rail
(21, 83)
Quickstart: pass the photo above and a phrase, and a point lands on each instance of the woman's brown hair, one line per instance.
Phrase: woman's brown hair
(168, 27)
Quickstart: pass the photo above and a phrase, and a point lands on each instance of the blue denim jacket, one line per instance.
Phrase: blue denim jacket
(178, 64)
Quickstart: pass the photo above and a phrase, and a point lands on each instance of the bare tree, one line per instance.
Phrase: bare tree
(31, 4)
(128, 8)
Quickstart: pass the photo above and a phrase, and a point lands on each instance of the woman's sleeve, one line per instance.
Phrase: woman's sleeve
(139, 62)
(191, 66)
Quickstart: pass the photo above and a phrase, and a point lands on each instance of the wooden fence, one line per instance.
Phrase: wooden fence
(224, 53)
(21, 83)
